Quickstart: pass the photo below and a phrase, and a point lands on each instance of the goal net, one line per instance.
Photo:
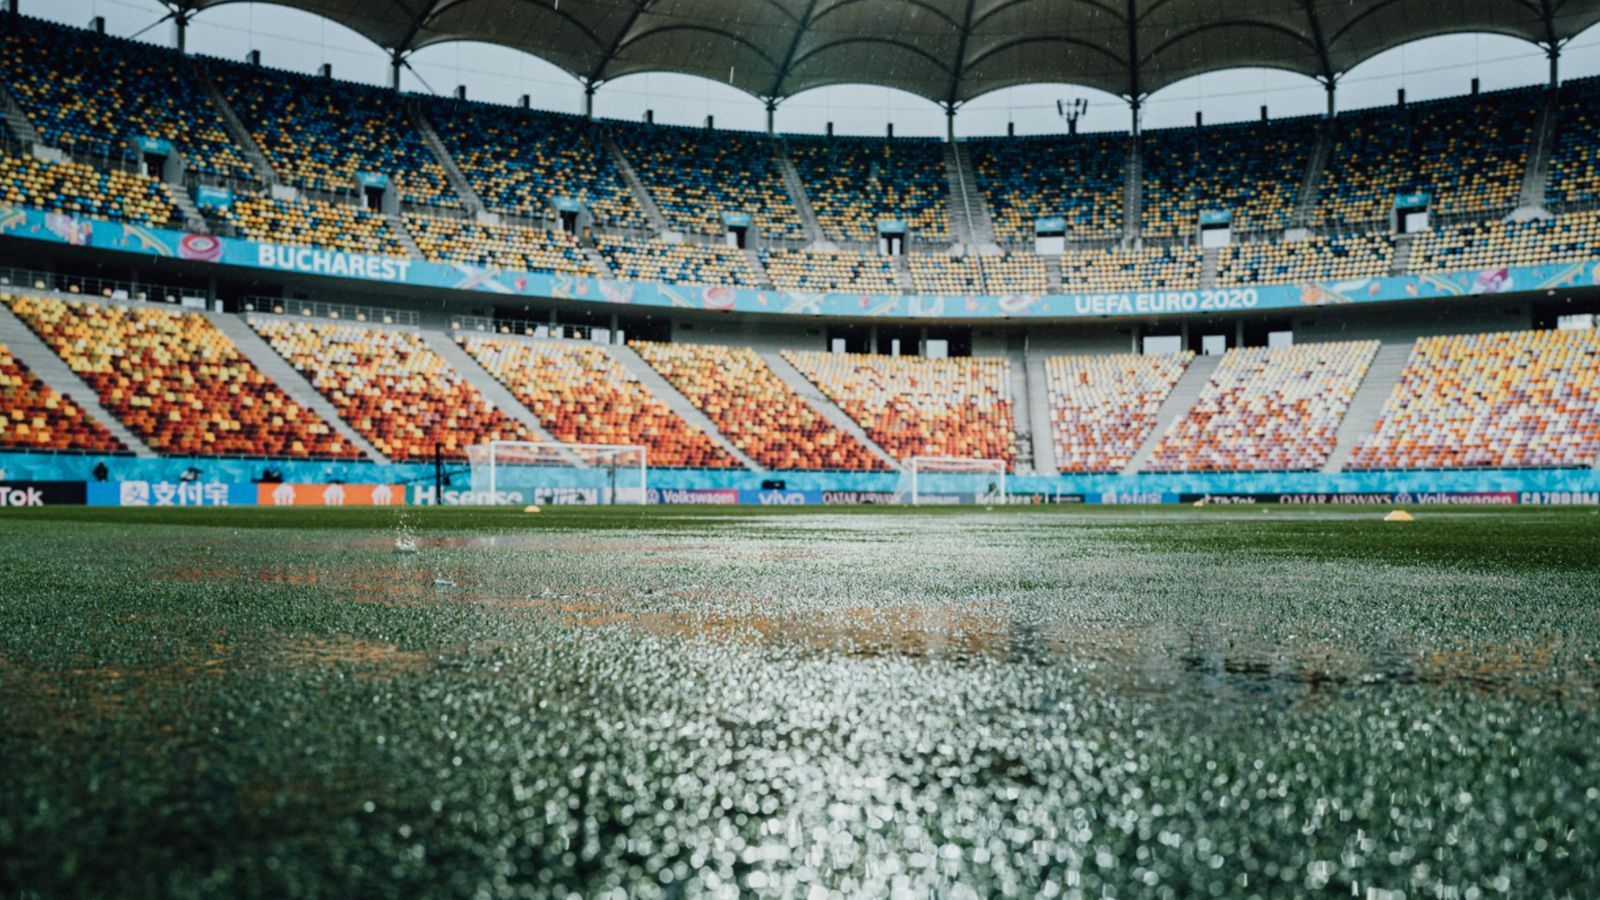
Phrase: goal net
(929, 480)
(525, 472)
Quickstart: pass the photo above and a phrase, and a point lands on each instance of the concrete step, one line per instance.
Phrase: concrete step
(1400, 262)
(641, 194)
(1541, 145)
(397, 225)
(1038, 412)
(495, 393)
(1052, 274)
(236, 129)
(16, 119)
(1180, 401)
(1311, 182)
(260, 353)
(676, 401)
(758, 267)
(602, 266)
(813, 395)
(982, 225)
(51, 369)
(1210, 258)
(452, 172)
(797, 192)
(1022, 415)
(1383, 376)
(193, 221)
(1132, 193)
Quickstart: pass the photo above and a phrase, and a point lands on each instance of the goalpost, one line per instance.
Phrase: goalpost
(926, 480)
(530, 472)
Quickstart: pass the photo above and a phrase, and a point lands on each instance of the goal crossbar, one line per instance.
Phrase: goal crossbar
(939, 478)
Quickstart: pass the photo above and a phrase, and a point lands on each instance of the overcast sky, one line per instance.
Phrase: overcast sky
(289, 39)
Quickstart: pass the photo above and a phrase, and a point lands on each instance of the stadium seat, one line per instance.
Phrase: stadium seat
(1337, 258)
(912, 406)
(1103, 407)
(177, 382)
(1493, 245)
(309, 223)
(1526, 399)
(581, 395)
(697, 175)
(685, 263)
(853, 183)
(1253, 170)
(1079, 178)
(78, 189)
(34, 417)
(1575, 155)
(1267, 410)
(831, 270)
(512, 247)
(391, 387)
(1152, 268)
(754, 409)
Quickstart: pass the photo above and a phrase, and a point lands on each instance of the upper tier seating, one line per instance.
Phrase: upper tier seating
(518, 160)
(1575, 158)
(1528, 399)
(696, 175)
(512, 247)
(581, 395)
(320, 134)
(391, 387)
(754, 409)
(34, 417)
(1468, 152)
(1574, 237)
(85, 190)
(704, 264)
(1103, 407)
(311, 223)
(1079, 178)
(921, 407)
(1267, 410)
(1152, 268)
(177, 381)
(1253, 170)
(853, 183)
(823, 270)
(93, 95)
(1339, 258)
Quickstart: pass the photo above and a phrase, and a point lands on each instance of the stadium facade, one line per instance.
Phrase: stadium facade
(222, 274)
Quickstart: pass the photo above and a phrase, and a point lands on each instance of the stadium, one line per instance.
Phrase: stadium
(1171, 508)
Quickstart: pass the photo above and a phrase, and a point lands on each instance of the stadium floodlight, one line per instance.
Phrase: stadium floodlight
(926, 480)
(534, 472)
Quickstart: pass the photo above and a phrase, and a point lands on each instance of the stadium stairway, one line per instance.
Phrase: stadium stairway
(969, 213)
(193, 221)
(813, 395)
(1209, 259)
(1401, 261)
(1537, 177)
(676, 401)
(267, 361)
(237, 131)
(452, 172)
(492, 391)
(397, 225)
(1132, 192)
(1052, 274)
(641, 195)
(16, 119)
(1023, 433)
(797, 192)
(1178, 402)
(59, 377)
(1367, 405)
(1038, 415)
(1311, 184)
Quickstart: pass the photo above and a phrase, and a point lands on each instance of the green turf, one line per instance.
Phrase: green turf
(1094, 702)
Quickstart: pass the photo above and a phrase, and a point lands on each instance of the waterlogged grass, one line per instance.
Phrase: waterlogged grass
(1116, 702)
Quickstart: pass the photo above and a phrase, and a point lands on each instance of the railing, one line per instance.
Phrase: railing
(90, 286)
(340, 312)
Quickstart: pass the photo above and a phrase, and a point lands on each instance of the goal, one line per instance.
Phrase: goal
(928, 480)
(550, 474)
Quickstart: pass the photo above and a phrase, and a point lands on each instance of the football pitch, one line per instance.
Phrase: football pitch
(1164, 702)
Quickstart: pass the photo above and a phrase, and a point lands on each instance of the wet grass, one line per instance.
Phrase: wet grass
(1094, 702)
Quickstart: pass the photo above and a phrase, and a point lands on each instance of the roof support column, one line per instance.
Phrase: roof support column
(1332, 87)
(588, 99)
(396, 60)
(772, 110)
(1554, 52)
(11, 7)
(180, 28)
(950, 122)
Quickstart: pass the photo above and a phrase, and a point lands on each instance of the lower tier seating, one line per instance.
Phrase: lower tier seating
(823, 270)
(1339, 258)
(391, 387)
(34, 417)
(177, 381)
(1267, 410)
(581, 395)
(754, 408)
(311, 223)
(913, 406)
(1103, 407)
(77, 189)
(1152, 268)
(1528, 399)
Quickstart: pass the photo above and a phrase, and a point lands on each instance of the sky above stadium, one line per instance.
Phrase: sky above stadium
(298, 41)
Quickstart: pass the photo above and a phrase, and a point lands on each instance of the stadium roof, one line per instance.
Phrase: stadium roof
(948, 51)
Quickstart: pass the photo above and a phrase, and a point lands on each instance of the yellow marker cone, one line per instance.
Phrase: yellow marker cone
(1399, 515)
(530, 509)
